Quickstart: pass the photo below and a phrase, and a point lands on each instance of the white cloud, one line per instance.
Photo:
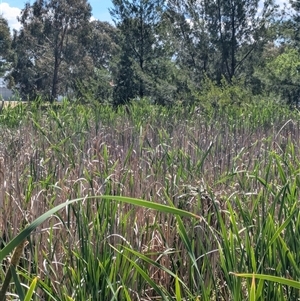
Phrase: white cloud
(282, 2)
(10, 14)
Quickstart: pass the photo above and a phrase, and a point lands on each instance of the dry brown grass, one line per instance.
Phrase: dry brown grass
(12, 104)
(38, 172)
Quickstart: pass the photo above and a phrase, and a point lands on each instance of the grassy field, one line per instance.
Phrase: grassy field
(221, 222)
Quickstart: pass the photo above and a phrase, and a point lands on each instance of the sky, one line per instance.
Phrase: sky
(10, 9)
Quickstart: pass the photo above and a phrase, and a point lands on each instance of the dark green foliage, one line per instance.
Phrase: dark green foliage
(102, 43)
(102, 46)
(219, 38)
(126, 88)
(49, 47)
(142, 65)
(5, 46)
(165, 52)
(281, 76)
(294, 22)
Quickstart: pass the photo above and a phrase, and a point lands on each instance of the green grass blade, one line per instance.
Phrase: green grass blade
(156, 264)
(252, 289)
(19, 288)
(160, 291)
(283, 226)
(150, 205)
(31, 289)
(177, 289)
(280, 280)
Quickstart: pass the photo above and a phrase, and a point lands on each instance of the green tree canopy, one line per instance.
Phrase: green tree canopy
(282, 74)
(49, 48)
(218, 38)
(102, 45)
(142, 67)
(5, 46)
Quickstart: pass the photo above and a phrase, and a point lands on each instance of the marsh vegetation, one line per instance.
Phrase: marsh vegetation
(232, 174)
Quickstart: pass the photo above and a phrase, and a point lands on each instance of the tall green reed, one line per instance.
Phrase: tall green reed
(235, 172)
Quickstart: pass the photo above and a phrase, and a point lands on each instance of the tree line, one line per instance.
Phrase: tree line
(165, 51)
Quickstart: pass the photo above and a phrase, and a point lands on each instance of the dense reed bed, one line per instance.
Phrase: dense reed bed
(236, 170)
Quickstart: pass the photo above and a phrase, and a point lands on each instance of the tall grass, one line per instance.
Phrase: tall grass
(234, 172)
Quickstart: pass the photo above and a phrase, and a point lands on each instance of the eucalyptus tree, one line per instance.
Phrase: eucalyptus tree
(102, 46)
(281, 76)
(239, 29)
(5, 46)
(144, 56)
(188, 38)
(219, 37)
(49, 47)
(102, 43)
(290, 25)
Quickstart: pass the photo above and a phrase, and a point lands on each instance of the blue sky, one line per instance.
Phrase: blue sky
(11, 9)
(100, 9)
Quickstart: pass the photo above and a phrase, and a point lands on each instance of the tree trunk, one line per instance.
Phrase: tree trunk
(233, 44)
